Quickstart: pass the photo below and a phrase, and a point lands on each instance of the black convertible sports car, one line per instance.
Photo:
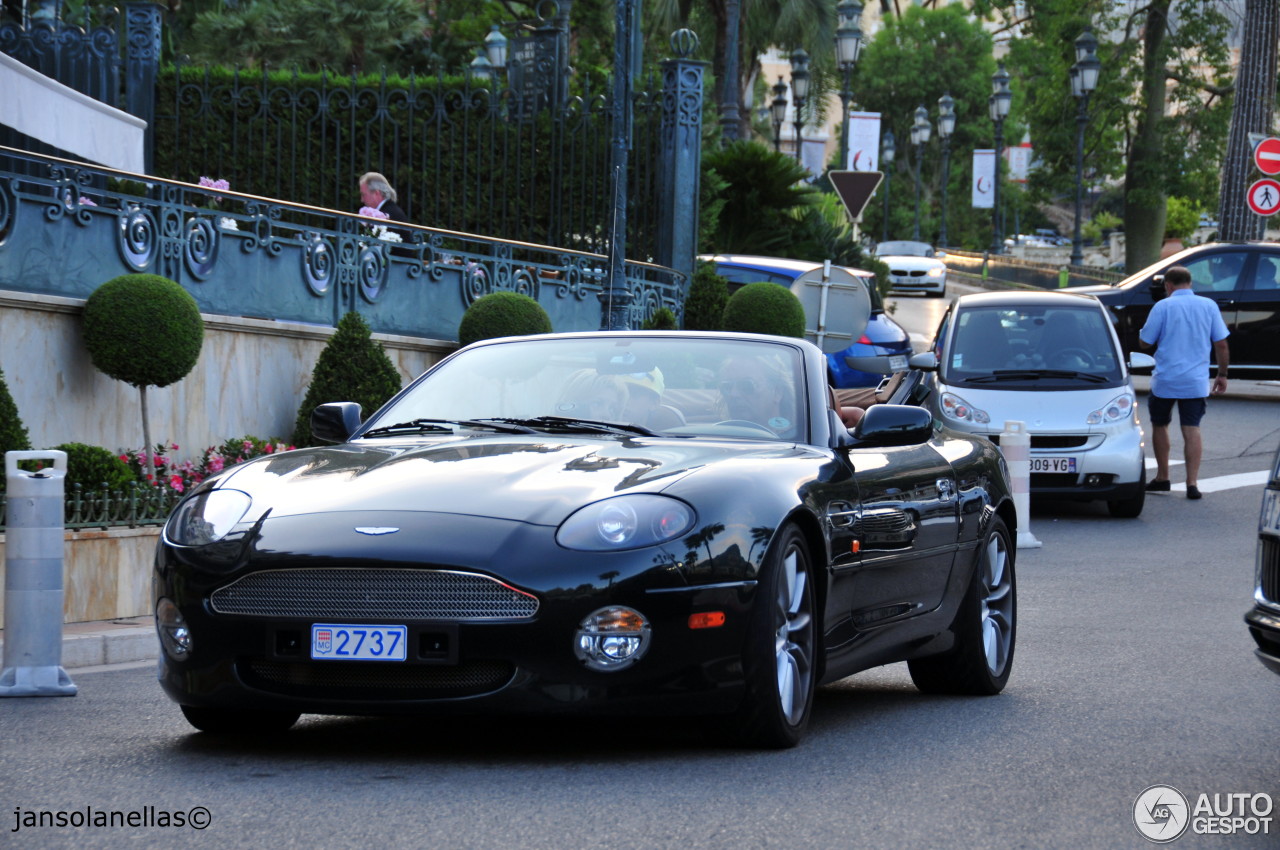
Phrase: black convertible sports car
(607, 522)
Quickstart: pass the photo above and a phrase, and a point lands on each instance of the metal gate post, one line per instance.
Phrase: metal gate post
(33, 579)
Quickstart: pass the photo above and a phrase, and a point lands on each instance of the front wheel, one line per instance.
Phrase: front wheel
(985, 627)
(232, 721)
(779, 661)
(1132, 506)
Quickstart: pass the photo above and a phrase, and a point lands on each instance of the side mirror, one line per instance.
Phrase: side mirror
(1141, 360)
(925, 361)
(1157, 287)
(894, 425)
(335, 422)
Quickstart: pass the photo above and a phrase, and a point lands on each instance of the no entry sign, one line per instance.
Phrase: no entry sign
(1267, 156)
(1264, 196)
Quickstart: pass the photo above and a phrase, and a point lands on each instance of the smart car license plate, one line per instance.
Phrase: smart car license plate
(898, 362)
(330, 642)
(1270, 522)
(1053, 464)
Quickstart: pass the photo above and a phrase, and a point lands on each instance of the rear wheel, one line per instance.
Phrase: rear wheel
(985, 627)
(231, 721)
(779, 662)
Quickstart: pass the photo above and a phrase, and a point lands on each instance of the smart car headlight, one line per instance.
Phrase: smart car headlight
(1118, 409)
(954, 407)
(626, 522)
(206, 518)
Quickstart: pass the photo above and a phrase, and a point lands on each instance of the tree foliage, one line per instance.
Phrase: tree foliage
(762, 193)
(352, 367)
(13, 434)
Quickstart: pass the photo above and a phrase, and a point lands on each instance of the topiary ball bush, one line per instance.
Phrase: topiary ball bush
(764, 308)
(92, 467)
(502, 314)
(143, 329)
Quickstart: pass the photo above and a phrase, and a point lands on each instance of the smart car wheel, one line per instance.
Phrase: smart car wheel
(1132, 506)
(779, 661)
(985, 627)
(230, 721)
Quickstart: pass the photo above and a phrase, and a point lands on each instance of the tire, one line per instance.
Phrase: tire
(941, 293)
(230, 721)
(1132, 506)
(779, 662)
(985, 627)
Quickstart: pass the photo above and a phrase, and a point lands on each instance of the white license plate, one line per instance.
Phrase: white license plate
(1270, 522)
(898, 362)
(330, 642)
(1053, 464)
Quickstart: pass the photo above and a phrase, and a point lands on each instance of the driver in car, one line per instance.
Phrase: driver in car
(755, 390)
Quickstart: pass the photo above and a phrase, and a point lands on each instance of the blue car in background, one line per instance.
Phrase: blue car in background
(883, 336)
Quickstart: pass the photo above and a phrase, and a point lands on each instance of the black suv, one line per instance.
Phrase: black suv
(1243, 277)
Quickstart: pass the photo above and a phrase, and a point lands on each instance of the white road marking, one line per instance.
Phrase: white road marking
(1151, 462)
(1228, 482)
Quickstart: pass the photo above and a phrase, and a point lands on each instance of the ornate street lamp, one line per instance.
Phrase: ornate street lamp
(1084, 79)
(886, 162)
(480, 70)
(946, 126)
(848, 47)
(920, 132)
(800, 90)
(998, 105)
(495, 47)
(778, 112)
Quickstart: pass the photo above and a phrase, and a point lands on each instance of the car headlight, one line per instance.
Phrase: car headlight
(612, 638)
(937, 271)
(206, 518)
(1118, 409)
(626, 522)
(954, 407)
(174, 636)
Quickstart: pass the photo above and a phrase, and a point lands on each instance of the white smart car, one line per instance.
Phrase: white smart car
(1052, 361)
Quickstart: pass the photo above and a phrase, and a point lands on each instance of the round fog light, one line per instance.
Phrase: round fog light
(612, 638)
(174, 636)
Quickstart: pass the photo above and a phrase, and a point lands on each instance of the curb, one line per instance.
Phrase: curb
(106, 642)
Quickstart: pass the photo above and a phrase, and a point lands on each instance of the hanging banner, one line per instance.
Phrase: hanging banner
(864, 142)
(1019, 162)
(984, 176)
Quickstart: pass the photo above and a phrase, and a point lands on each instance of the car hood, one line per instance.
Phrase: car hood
(1061, 411)
(527, 479)
(908, 262)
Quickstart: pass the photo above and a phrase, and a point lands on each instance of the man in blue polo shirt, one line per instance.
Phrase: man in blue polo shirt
(1185, 326)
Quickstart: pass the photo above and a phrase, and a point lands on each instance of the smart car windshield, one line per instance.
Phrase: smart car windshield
(1031, 346)
(615, 385)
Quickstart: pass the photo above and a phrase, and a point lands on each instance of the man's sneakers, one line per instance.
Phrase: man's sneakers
(1157, 485)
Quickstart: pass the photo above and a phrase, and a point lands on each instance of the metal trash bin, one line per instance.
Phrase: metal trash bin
(33, 582)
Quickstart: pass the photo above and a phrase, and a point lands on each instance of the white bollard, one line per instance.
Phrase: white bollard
(33, 579)
(1015, 444)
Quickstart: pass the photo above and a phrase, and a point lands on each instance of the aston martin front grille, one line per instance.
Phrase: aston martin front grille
(377, 681)
(343, 592)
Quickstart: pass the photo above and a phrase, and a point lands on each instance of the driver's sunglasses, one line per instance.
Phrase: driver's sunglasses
(739, 386)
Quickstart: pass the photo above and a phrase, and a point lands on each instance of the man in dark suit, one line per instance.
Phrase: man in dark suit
(376, 192)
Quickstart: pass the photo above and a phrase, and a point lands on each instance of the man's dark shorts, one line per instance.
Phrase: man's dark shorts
(1190, 410)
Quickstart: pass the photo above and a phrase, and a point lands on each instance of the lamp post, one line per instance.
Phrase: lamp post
(848, 47)
(998, 105)
(886, 162)
(495, 47)
(778, 112)
(946, 126)
(920, 132)
(1084, 79)
(800, 91)
(729, 118)
(480, 70)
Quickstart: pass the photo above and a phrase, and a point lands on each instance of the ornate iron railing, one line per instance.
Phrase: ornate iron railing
(131, 507)
(66, 227)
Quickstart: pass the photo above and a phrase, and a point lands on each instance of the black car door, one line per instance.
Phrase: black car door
(1254, 336)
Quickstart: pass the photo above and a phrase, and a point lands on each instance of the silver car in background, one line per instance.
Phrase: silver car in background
(1052, 361)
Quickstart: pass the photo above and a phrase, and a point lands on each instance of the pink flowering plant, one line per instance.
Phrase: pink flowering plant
(181, 476)
(377, 231)
(210, 183)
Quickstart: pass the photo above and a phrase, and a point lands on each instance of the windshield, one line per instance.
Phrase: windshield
(904, 249)
(1031, 346)
(653, 384)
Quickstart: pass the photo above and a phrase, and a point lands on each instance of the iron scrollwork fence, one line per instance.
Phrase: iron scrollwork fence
(134, 506)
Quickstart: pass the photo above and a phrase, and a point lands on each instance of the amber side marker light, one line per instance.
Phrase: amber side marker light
(706, 620)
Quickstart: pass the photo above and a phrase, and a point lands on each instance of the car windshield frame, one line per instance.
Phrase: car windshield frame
(1030, 346)
(629, 386)
(926, 250)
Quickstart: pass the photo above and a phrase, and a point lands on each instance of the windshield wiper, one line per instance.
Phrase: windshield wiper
(421, 425)
(1035, 375)
(564, 423)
